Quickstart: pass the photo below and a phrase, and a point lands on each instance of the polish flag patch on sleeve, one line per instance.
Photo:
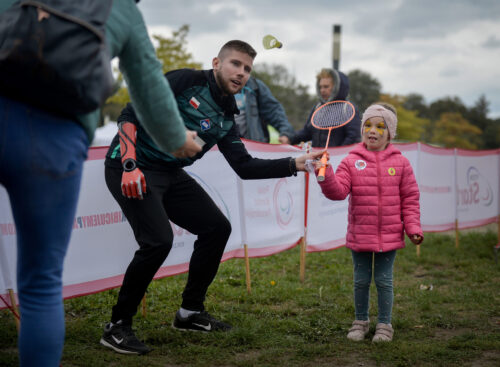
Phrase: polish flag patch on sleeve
(194, 102)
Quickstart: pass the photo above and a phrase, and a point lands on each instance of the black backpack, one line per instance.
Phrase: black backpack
(53, 55)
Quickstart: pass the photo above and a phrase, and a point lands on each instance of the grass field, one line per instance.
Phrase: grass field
(284, 322)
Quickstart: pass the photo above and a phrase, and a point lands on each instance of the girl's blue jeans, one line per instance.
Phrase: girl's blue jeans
(382, 264)
(41, 161)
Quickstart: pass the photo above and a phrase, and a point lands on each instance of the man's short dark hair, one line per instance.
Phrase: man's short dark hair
(237, 45)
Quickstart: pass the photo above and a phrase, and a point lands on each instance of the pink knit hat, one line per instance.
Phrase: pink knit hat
(389, 117)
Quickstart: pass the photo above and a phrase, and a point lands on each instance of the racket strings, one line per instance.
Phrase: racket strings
(333, 115)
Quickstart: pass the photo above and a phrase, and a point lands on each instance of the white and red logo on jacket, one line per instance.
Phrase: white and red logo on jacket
(194, 102)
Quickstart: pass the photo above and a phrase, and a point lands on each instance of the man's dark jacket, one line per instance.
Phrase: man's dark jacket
(207, 111)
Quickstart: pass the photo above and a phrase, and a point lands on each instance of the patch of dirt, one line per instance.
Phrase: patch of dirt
(490, 358)
(341, 362)
(248, 356)
(447, 334)
(495, 321)
(353, 361)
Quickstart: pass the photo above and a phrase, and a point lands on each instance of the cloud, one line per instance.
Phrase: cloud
(400, 20)
(202, 16)
(435, 48)
(449, 73)
(491, 42)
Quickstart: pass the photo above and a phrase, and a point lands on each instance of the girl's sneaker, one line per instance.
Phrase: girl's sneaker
(358, 330)
(383, 333)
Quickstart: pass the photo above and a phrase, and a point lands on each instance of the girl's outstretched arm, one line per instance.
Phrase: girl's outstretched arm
(336, 186)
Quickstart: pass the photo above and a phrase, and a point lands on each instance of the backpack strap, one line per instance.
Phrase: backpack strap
(100, 16)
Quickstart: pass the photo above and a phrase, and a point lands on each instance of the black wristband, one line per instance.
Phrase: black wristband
(129, 165)
(293, 166)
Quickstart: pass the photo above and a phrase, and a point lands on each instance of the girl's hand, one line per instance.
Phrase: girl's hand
(318, 164)
(416, 239)
(300, 162)
(313, 163)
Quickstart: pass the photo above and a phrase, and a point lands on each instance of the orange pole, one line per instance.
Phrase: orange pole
(303, 248)
(303, 243)
(247, 270)
(13, 303)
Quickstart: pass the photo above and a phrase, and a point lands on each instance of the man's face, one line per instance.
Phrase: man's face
(325, 88)
(232, 71)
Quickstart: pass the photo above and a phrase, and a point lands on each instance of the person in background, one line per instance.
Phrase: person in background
(383, 205)
(41, 161)
(331, 85)
(258, 109)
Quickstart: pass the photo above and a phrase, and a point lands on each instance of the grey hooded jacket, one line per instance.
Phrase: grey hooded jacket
(261, 109)
(345, 135)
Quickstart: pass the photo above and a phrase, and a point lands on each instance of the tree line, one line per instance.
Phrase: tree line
(445, 122)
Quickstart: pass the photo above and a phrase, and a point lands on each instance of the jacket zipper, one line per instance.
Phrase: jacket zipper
(379, 189)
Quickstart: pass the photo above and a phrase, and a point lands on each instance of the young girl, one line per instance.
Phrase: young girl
(384, 202)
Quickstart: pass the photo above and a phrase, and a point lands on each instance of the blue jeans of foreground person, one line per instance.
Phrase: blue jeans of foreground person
(382, 263)
(41, 161)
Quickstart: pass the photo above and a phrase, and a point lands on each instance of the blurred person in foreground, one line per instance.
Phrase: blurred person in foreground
(41, 161)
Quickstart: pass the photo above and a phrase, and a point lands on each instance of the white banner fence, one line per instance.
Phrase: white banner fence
(458, 188)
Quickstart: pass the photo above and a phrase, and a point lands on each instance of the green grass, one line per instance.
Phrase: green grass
(457, 323)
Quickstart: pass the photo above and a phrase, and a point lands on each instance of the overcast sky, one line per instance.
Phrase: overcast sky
(436, 48)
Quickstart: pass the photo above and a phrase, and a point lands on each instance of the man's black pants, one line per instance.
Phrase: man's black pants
(176, 196)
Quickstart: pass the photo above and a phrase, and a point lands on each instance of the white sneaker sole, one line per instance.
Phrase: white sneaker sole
(121, 351)
(194, 330)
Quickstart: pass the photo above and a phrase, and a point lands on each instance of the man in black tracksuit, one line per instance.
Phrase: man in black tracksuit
(137, 169)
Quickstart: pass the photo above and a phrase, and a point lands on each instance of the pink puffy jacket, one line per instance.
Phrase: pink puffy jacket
(384, 198)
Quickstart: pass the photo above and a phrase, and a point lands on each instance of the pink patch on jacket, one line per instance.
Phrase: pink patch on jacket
(384, 201)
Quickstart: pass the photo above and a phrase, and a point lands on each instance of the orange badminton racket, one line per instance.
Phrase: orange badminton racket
(329, 116)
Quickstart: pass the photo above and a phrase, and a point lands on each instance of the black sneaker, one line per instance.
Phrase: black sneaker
(199, 322)
(122, 339)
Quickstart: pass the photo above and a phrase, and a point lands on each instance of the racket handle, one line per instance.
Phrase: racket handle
(321, 173)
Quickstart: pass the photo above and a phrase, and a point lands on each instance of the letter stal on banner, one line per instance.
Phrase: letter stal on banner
(477, 188)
